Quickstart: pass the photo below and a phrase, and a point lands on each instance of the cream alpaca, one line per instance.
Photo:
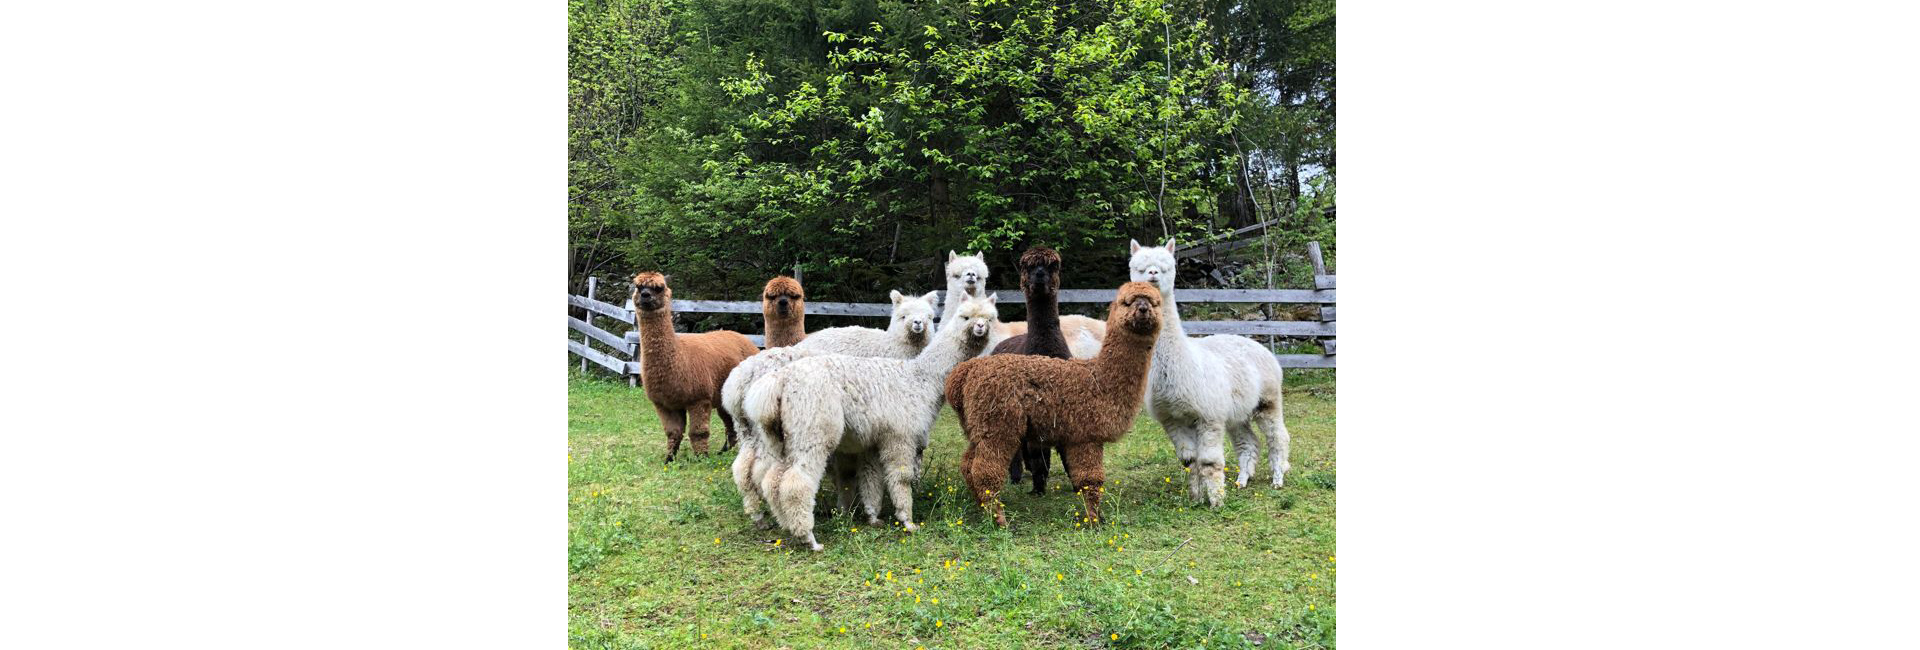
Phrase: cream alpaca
(1201, 389)
(906, 335)
(967, 277)
(873, 412)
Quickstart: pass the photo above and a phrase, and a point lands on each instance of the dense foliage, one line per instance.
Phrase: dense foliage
(724, 141)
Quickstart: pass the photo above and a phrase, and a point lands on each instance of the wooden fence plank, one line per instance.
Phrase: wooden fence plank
(598, 357)
(1258, 327)
(1183, 295)
(633, 339)
(1313, 255)
(1323, 281)
(601, 308)
(612, 340)
(1304, 361)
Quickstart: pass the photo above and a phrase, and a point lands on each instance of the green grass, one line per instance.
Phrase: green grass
(662, 556)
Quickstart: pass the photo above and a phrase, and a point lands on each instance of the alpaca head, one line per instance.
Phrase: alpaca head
(966, 273)
(977, 316)
(783, 297)
(1040, 271)
(650, 291)
(914, 313)
(1152, 265)
(1136, 309)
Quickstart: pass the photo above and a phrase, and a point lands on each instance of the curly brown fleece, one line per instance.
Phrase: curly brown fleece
(1079, 404)
(783, 304)
(683, 372)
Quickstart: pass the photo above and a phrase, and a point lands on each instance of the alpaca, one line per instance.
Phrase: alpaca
(783, 309)
(1040, 281)
(967, 276)
(683, 372)
(1079, 404)
(1205, 388)
(905, 336)
(871, 414)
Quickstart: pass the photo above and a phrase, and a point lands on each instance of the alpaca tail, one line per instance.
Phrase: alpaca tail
(761, 404)
(955, 392)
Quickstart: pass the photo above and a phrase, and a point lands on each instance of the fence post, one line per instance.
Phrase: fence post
(592, 283)
(1319, 269)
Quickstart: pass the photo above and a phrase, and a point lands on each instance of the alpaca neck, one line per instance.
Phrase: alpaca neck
(1123, 359)
(658, 344)
(1043, 324)
(1171, 349)
(946, 351)
(783, 331)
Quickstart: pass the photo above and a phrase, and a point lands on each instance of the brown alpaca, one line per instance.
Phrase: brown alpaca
(784, 306)
(683, 372)
(1078, 404)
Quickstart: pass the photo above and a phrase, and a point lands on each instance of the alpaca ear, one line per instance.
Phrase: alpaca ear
(1169, 244)
(951, 256)
(993, 299)
(932, 298)
(895, 296)
(1133, 246)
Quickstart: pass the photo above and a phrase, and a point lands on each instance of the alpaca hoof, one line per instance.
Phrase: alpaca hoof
(1240, 482)
(910, 526)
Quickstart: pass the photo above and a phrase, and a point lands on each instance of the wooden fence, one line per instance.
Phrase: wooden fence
(625, 360)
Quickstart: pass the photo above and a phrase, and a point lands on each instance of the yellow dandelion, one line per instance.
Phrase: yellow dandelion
(909, 589)
(716, 540)
(616, 523)
(916, 600)
(936, 601)
(869, 626)
(939, 623)
(1136, 572)
(776, 542)
(1309, 607)
(1060, 577)
(1115, 637)
(1311, 576)
(843, 629)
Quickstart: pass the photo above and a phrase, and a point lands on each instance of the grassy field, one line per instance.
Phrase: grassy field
(662, 556)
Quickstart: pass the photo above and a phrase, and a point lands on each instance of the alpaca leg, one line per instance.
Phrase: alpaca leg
(726, 420)
(1013, 468)
(898, 460)
(749, 491)
(1036, 456)
(872, 487)
(674, 421)
(1089, 475)
(1279, 442)
(1247, 451)
(1210, 468)
(697, 422)
(846, 475)
(989, 453)
(794, 498)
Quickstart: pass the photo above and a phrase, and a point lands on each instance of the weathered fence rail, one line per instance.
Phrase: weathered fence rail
(1323, 330)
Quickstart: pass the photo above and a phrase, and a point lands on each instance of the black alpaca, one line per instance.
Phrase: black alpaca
(1040, 281)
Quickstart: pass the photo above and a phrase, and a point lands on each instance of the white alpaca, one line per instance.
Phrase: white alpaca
(967, 277)
(873, 414)
(906, 335)
(1201, 389)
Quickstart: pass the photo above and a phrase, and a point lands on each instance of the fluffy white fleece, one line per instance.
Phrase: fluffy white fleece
(906, 335)
(869, 413)
(1201, 389)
